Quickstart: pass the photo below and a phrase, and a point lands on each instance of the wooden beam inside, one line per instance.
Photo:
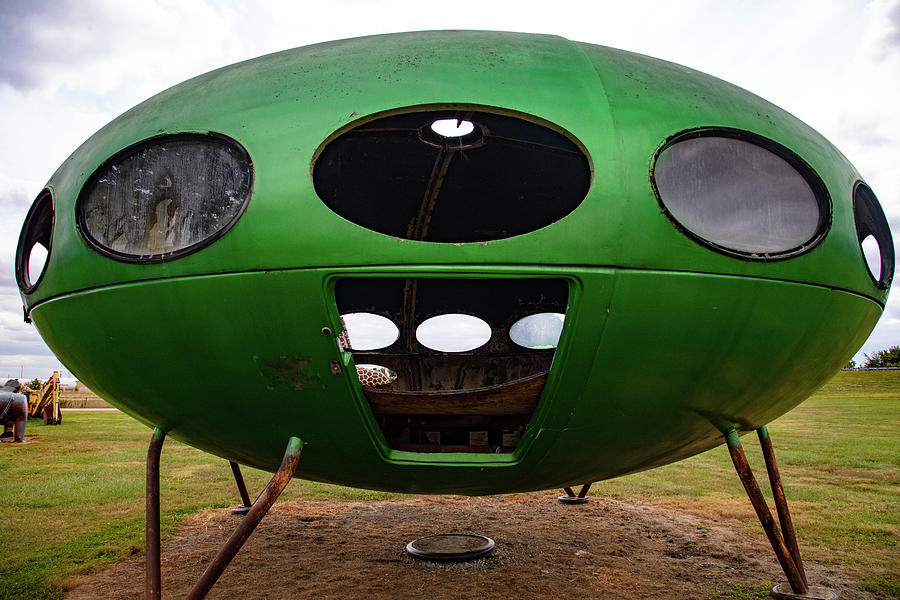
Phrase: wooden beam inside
(518, 397)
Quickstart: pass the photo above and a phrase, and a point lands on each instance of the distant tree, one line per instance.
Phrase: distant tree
(883, 358)
(851, 364)
(35, 384)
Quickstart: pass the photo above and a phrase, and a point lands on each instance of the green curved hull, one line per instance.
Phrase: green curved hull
(665, 340)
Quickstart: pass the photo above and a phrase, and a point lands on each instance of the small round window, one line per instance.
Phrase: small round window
(165, 197)
(540, 331)
(33, 250)
(741, 193)
(452, 128)
(368, 331)
(874, 235)
(453, 333)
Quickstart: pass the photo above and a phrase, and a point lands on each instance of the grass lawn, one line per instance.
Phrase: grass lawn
(839, 456)
(73, 500)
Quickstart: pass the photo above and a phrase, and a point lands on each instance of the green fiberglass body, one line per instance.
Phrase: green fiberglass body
(634, 256)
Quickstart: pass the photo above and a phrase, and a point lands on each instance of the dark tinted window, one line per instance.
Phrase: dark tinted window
(738, 195)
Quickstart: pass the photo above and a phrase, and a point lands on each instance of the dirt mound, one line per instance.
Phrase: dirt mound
(608, 548)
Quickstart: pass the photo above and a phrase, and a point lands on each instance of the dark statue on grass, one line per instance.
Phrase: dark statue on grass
(13, 410)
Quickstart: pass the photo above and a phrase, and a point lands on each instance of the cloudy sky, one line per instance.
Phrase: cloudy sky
(68, 67)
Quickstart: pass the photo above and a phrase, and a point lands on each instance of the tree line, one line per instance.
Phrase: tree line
(880, 359)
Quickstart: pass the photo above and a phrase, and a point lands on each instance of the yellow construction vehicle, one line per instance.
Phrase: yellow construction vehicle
(45, 401)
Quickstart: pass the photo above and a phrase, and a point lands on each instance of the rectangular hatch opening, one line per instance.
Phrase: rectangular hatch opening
(452, 364)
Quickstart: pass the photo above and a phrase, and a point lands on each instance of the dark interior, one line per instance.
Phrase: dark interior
(38, 229)
(474, 401)
(396, 176)
(870, 220)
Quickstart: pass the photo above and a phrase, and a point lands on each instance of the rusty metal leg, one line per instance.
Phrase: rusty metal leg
(781, 506)
(584, 490)
(242, 488)
(569, 492)
(798, 585)
(248, 524)
(153, 582)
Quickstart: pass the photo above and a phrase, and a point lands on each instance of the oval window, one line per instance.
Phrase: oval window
(540, 331)
(742, 193)
(368, 331)
(461, 175)
(874, 235)
(33, 250)
(165, 197)
(453, 333)
(872, 253)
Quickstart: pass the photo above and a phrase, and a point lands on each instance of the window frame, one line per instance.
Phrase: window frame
(819, 190)
(129, 151)
(425, 136)
(878, 227)
(23, 254)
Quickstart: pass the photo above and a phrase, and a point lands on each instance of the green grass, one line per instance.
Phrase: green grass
(741, 590)
(72, 501)
(839, 457)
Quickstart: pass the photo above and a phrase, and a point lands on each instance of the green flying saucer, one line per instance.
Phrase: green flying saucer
(565, 262)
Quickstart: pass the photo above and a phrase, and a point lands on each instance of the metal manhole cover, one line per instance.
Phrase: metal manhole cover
(450, 546)
(783, 591)
(574, 499)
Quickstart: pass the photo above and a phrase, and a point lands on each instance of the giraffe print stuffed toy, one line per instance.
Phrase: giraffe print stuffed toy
(369, 377)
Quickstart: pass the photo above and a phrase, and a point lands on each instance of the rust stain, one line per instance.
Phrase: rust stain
(293, 372)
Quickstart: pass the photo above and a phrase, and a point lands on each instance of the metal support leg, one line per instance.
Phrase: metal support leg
(242, 488)
(246, 527)
(153, 582)
(781, 506)
(798, 585)
(572, 498)
(248, 524)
